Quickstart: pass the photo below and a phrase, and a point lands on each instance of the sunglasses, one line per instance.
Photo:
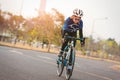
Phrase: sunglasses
(76, 19)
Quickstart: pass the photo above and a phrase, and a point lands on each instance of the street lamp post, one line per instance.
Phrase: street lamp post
(21, 7)
(92, 31)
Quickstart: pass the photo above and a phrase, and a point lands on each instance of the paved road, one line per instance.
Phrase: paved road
(20, 64)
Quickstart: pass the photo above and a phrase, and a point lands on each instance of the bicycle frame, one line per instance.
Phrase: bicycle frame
(68, 58)
(67, 50)
(70, 45)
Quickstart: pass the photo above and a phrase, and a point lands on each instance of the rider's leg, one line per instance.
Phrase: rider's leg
(74, 43)
(71, 54)
(63, 47)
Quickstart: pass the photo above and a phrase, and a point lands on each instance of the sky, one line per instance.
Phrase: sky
(101, 17)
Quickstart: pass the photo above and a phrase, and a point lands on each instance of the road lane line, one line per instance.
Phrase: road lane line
(89, 73)
(35, 58)
(44, 57)
(102, 77)
(92, 74)
(53, 63)
(14, 51)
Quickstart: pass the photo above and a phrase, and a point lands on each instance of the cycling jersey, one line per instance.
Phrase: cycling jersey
(67, 28)
(69, 22)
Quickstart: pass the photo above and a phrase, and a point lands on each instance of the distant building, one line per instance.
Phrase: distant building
(42, 7)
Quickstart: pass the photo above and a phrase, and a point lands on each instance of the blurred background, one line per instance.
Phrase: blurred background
(37, 24)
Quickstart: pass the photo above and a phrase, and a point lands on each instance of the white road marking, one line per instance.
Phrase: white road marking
(92, 74)
(89, 73)
(102, 77)
(44, 57)
(46, 61)
(77, 65)
(14, 51)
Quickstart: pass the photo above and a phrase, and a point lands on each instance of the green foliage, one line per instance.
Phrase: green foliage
(46, 28)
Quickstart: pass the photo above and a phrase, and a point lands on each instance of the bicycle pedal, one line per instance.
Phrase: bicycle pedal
(69, 67)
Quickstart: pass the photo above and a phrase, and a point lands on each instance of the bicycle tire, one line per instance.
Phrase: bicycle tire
(68, 72)
(60, 67)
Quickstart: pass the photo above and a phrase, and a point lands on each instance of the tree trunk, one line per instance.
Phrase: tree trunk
(49, 47)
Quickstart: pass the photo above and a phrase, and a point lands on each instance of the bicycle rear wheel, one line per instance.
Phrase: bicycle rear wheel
(70, 65)
(60, 67)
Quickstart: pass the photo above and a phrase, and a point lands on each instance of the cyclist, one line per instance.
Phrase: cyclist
(70, 24)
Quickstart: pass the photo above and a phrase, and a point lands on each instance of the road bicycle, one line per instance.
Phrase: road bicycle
(67, 59)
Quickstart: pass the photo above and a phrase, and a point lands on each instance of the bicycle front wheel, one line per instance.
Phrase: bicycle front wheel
(60, 67)
(70, 64)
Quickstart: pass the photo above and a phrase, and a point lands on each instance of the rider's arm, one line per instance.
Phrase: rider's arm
(65, 26)
(81, 29)
(81, 33)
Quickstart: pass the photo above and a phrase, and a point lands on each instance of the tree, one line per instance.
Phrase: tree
(58, 19)
(4, 18)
